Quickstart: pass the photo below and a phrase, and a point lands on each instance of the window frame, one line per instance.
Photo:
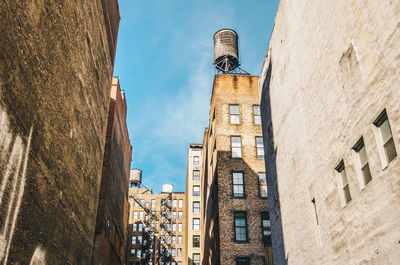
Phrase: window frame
(360, 148)
(195, 194)
(196, 160)
(260, 185)
(258, 147)
(243, 185)
(197, 177)
(382, 118)
(345, 195)
(257, 115)
(196, 262)
(237, 147)
(234, 115)
(245, 227)
(193, 241)
(195, 202)
(193, 224)
(266, 238)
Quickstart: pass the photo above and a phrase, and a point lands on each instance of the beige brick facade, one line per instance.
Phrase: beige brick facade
(222, 245)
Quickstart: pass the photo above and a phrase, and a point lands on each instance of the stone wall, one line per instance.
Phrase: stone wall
(331, 69)
(55, 80)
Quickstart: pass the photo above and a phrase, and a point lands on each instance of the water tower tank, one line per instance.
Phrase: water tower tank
(167, 188)
(135, 176)
(226, 53)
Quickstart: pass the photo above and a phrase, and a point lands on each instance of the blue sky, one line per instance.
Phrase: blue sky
(164, 62)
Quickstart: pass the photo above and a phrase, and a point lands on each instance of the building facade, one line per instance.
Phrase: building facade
(331, 126)
(236, 220)
(56, 69)
(193, 203)
(156, 230)
(112, 214)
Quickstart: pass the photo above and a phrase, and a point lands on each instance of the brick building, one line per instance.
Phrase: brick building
(235, 229)
(112, 214)
(157, 225)
(331, 125)
(56, 67)
(193, 203)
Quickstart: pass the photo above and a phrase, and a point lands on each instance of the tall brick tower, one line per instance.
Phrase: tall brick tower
(235, 228)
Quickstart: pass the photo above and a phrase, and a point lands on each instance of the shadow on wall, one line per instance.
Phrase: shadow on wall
(278, 249)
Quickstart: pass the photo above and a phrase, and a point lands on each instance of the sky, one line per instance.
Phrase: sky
(164, 64)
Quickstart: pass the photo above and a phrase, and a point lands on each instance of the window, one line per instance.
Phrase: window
(180, 227)
(174, 215)
(174, 203)
(345, 185)
(138, 253)
(238, 184)
(234, 114)
(142, 202)
(196, 190)
(180, 203)
(133, 252)
(195, 161)
(257, 114)
(140, 227)
(260, 147)
(173, 239)
(196, 224)
(179, 252)
(240, 227)
(179, 263)
(359, 147)
(266, 228)
(174, 227)
(134, 227)
(133, 240)
(136, 204)
(262, 183)
(196, 175)
(135, 215)
(196, 207)
(382, 122)
(139, 240)
(179, 239)
(242, 261)
(180, 215)
(196, 259)
(141, 216)
(174, 252)
(236, 146)
(153, 204)
(147, 204)
(196, 241)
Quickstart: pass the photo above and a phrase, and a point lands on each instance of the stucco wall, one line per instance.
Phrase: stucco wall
(334, 67)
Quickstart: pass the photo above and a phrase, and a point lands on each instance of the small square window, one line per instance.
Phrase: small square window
(196, 190)
(196, 207)
(196, 175)
(196, 241)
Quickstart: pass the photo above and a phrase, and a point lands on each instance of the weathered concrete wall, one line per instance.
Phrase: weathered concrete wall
(112, 213)
(219, 216)
(334, 67)
(55, 79)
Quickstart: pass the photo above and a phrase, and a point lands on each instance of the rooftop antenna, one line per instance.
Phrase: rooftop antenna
(226, 52)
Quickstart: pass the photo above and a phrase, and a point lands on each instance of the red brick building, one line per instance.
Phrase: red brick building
(112, 215)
